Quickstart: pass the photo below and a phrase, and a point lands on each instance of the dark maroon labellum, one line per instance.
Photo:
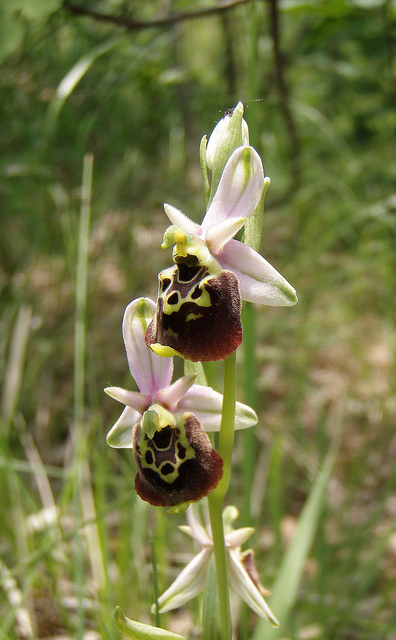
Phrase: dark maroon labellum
(198, 314)
(178, 464)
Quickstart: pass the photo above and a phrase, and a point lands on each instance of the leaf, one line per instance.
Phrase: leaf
(72, 78)
(284, 591)
(140, 631)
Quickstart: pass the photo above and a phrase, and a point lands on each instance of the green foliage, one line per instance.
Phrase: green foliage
(285, 588)
(16, 15)
(140, 101)
(139, 631)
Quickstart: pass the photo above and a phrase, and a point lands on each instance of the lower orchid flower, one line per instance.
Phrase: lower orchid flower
(243, 575)
(165, 422)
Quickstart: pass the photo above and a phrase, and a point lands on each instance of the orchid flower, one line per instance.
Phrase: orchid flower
(164, 422)
(242, 571)
(199, 299)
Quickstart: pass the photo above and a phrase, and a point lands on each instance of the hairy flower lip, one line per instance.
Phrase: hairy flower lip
(175, 459)
(198, 310)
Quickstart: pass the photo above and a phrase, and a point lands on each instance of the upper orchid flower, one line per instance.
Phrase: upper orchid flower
(242, 570)
(199, 299)
(164, 422)
(237, 196)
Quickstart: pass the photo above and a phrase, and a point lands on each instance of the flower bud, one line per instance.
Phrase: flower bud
(229, 133)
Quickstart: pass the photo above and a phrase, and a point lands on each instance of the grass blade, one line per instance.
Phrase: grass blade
(71, 79)
(285, 589)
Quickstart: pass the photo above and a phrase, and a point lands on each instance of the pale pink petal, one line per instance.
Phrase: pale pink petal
(171, 396)
(188, 584)
(150, 371)
(242, 583)
(239, 190)
(218, 235)
(138, 401)
(120, 435)
(259, 281)
(179, 219)
(206, 405)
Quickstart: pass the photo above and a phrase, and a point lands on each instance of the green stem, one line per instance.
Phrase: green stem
(250, 398)
(226, 435)
(220, 554)
(216, 498)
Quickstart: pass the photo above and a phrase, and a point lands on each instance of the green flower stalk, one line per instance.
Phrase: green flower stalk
(199, 299)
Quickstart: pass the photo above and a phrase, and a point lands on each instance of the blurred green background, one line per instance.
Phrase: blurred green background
(318, 79)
